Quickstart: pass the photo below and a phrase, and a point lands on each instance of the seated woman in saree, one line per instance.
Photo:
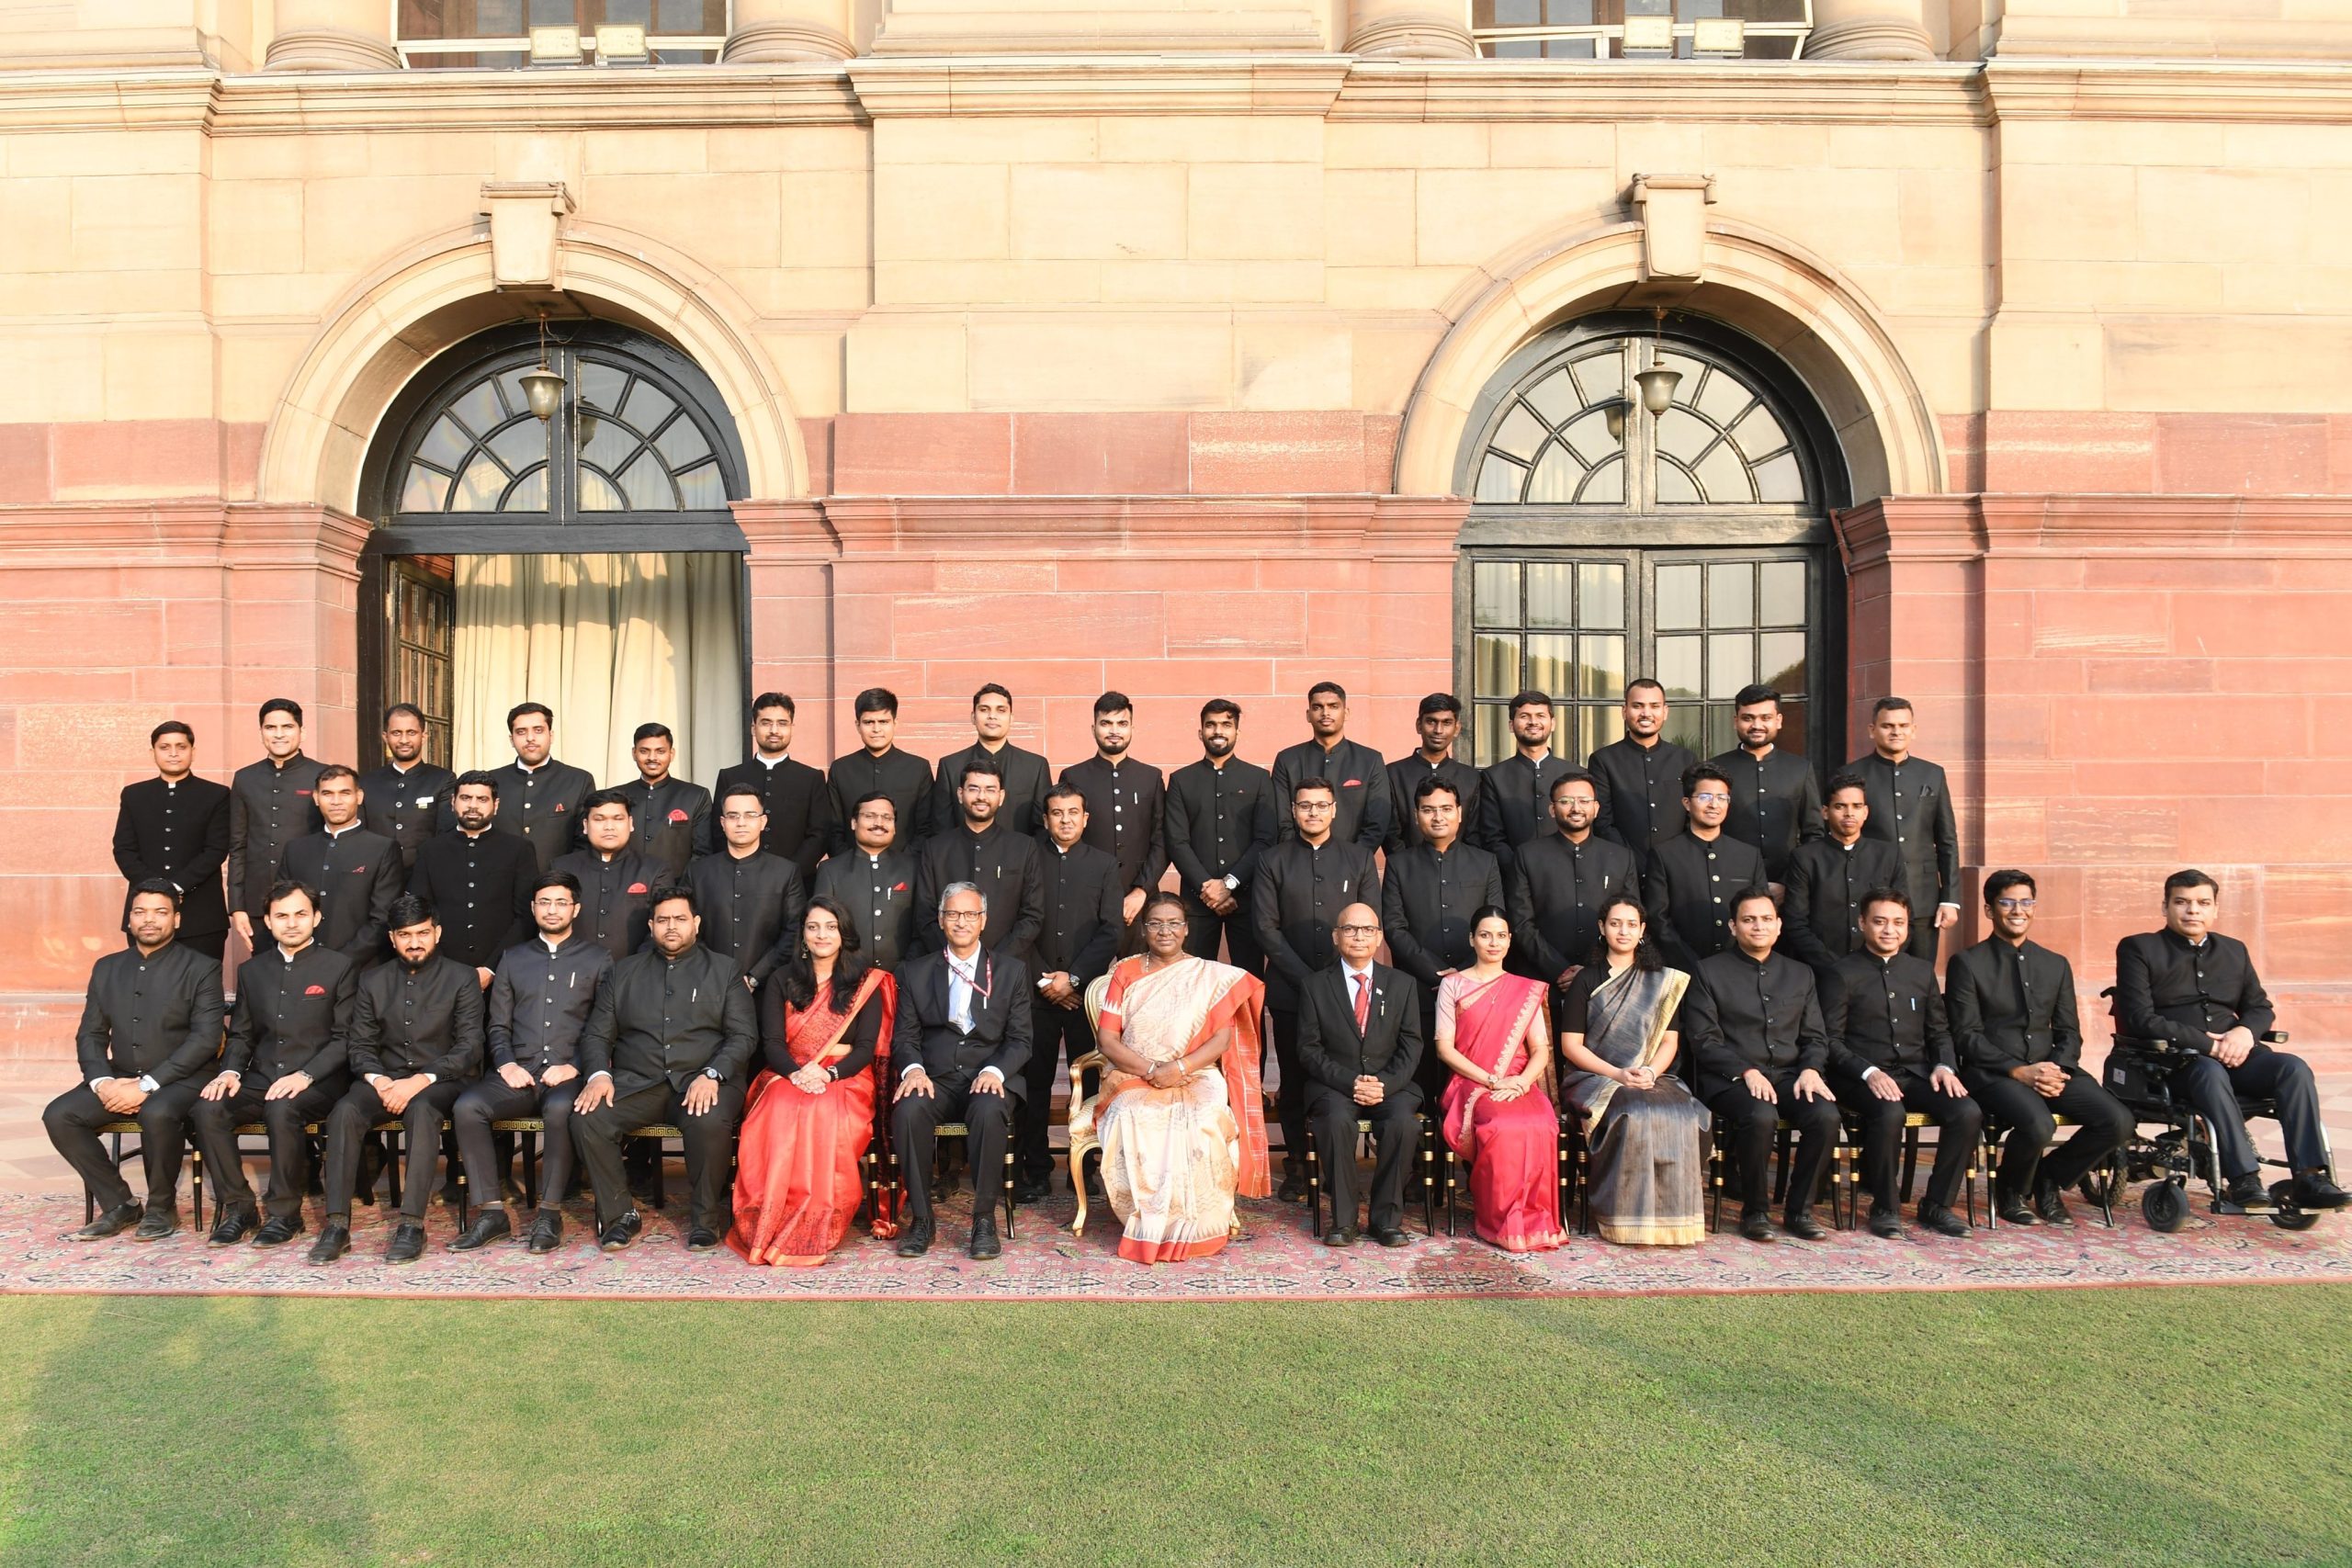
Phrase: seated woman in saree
(1180, 1119)
(1645, 1133)
(825, 1019)
(1497, 1109)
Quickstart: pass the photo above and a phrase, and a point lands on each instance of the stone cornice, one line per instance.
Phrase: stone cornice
(2279, 92)
(1211, 527)
(1601, 91)
(813, 94)
(2201, 528)
(180, 533)
(1092, 85)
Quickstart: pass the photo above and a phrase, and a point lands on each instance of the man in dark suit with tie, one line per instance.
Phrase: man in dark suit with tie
(1910, 804)
(1026, 774)
(151, 1029)
(1359, 1042)
(874, 883)
(1079, 943)
(1515, 795)
(802, 824)
(270, 808)
(1438, 724)
(540, 797)
(176, 827)
(960, 1042)
(1429, 899)
(407, 798)
(355, 874)
(1219, 824)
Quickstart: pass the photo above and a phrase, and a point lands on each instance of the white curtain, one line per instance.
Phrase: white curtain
(609, 642)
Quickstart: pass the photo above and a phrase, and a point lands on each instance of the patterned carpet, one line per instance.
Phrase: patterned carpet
(1276, 1259)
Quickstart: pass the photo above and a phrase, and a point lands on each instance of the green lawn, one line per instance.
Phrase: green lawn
(2095, 1426)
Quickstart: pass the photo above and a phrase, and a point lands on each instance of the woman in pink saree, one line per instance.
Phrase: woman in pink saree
(1498, 1107)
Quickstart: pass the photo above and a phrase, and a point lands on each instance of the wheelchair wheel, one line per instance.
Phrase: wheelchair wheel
(2165, 1206)
(2283, 1213)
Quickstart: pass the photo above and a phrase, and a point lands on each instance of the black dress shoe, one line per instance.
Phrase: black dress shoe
(1886, 1223)
(114, 1222)
(1943, 1221)
(2049, 1205)
(2245, 1194)
(915, 1240)
(1339, 1236)
(230, 1227)
(1393, 1237)
(157, 1224)
(1293, 1190)
(1027, 1191)
(2313, 1190)
(702, 1239)
(488, 1226)
(1800, 1224)
(1756, 1224)
(333, 1241)
(407, 1243)
(2013, 1212)
(278, 1230)
(546, 1231)
(985, 1244)
(621, 1231)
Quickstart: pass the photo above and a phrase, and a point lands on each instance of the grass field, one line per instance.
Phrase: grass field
(2093, 1426)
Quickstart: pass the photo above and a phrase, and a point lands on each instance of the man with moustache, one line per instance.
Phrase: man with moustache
(150, 1030)
(1775, 804)
(1563, 878)
(800, 803)
(355, 874)
(1641, 775)
(1360, 1044)
(1123, 804)
(1220, 819)
(477, 878)
(406, 800)
(1430, 895)
(285, 1066)
(1438, 724)
(1515, 795)
(983, 852)
(672, 816)
(539, 797)
(174, 827)
(1693, 878)
(878, 766)
(1911, 808)
(270, 808)
(1827, 876)
(415, 1046)
(1359, 779)
(1079, 939)
(1026, 775)
(748, 898)
(612, 881)
(874, 883)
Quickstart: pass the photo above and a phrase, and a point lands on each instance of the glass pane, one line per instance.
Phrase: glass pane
(1499, 479)
(478, 407)
(648, 405)
(1721, 398)
(1690, 369)
(444, 444)
(529, 494)
(1554, 398)
(1600, 585)
(605, 443)
(1590, 438)
(1495, 665)
(1784, 660)
(646, 484)
(510, 387)
(1603, 725)
(1679, 666)
(425, 491)
(1782, 584)
(1716, 733)
(1681, 433)
(1779, 479)
(1491, 724)
(597, 494)
(1494, 593)
(680, 443)
(1722, 476)
(1792, 726)
(1678, 597)
(1602, 673)
(1520, 434)
(1557, 477)
(702, 489)
(1551, 595)
(1758, 434)
(480, 487)
(1675, 487)
(1731, 593)
(1605, 486)
(521, 444)
(1551, 664)
(600, 385)
(1600, 375)
(1687, 726)
(1731, 664)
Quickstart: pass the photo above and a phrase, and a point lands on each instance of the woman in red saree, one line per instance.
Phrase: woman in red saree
(1181, 1117)
(1498, 1114)
(825, 1019)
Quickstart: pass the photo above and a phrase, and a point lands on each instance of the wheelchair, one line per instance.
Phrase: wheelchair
(2141, 1073)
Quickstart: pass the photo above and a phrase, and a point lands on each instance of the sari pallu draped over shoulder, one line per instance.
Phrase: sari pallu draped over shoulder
(796, 1184)
(1511, 1147)
(1647, 1144)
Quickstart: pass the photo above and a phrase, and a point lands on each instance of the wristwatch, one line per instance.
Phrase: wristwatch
(713, 1075)
(1232, 883)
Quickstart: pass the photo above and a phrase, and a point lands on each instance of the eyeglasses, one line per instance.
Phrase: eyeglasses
(2013, 903)
(1163, 928)
(962, 915)
(1712, 798)
(1357, 931)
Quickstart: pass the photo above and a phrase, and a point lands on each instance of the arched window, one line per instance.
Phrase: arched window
(1605, 543)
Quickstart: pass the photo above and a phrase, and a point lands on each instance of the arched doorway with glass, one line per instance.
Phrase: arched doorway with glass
(581, 554)
(1606, 543)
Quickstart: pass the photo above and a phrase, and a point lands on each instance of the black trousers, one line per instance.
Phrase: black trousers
(212, 945)
(494, 1100)
(1959, 1122)
(217, 1121)
(353, 1120)
(1395, 1129)
(1055, 1031)
(2104, 1124)
(914, 1134)
(74, 1118)
(709, 1139)
(1204, 928)
(1750, 1125)
(1290, 1095)
(2264, 1074)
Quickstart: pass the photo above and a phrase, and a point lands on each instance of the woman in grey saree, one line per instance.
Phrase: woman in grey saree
(1645, 1133)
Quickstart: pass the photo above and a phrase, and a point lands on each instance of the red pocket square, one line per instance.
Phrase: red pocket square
(315, 990)
(1351, 783)
(359, 871)
(900, 888)
(677, 816)
(638, 888)
(559, 805)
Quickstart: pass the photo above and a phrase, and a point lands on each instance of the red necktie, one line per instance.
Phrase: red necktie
(1364, 1002)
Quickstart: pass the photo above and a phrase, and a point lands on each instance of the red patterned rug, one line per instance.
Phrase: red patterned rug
(1277, 1259)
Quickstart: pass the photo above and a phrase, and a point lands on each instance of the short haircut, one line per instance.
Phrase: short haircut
(2000, 882)
(286, 887)
(1438, 702)
(562, 879)
(1750, 695)
(171, 727)
(397, 709)
(877, 699)
(767, 700)
(1895, 896)
(1845, 778)
(953, 889)
(1702, 773)
(336, 771)
(2181, 880)
(599, 797)
(1221, 705)
(734, 790)
(980, 764)
(672, 893)
(1320, 687)
(519, 709)
(991, 690)
(147, 885)
(1064, 792)
(1531, 698)
(1113, 702)
(649, 731)
(872, 797)
(1435, 784)
(1576, 775)
(408, 909)
(1643, 682)
(1741, 900)
(1889, 704)
(488, 781)
(286, 706)
(1312, 783)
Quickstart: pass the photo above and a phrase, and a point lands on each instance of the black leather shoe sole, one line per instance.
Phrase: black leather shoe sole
(1339, 1238)
(1756, 1227)
(1393, 1238)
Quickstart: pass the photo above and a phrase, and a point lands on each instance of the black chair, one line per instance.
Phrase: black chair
(114, 1132)
(1915, 1123)
(393, 1164)
(1838, 1171)
(1422, 1154)
(2098, 1187)
(943, 1132)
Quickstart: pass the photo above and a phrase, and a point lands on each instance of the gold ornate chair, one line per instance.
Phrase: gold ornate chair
(1082, 1139)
